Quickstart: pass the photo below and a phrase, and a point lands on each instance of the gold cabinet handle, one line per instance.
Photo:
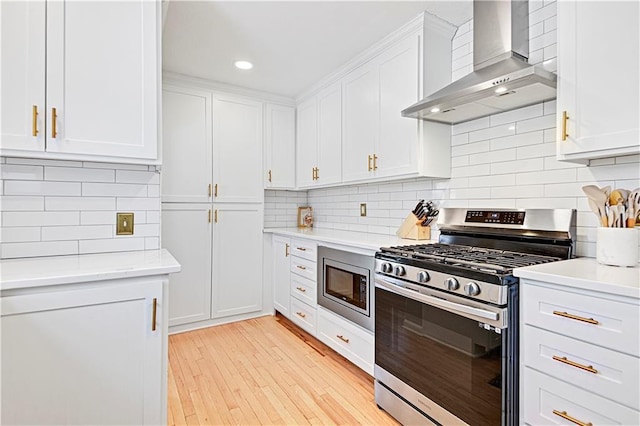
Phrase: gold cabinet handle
(313, 173)
(209, 191)
(154, 314)
(215, 216)
(54, 126)
(565, 117)
(341, 337)
(34, 125)
(269, 175)
(369, 168)
(286, 250)
(375, 162)
(565, 416)
(576, 317)
(301, 248)
(564, 360)
(209, 215)
(301, 267)
(301, 314)
(215, 190)
(302, 289)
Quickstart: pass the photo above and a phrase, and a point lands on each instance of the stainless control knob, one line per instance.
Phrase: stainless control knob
(472, 289)
(400, 271)
(387, 268)
(452, 284)
(423, 276)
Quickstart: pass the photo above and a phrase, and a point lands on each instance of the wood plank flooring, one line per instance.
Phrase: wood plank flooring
(265, 371)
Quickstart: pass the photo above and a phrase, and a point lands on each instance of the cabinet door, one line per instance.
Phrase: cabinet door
(186, 145)
(102, 78)
(186, 233)
(22, 38)
(281, 274)
(280, 147)
(399, 71)
(307, 140)
(598, 83)
(84, 356)
(237, 149)
(330, 135)
(360, 122)
(237, 263)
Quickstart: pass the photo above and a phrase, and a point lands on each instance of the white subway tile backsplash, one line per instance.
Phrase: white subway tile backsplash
(115, 166)
(536, 124)
(37, 249)
(546, 176)
(151, 243)
(516, 115)
(21, 234)
(21, 172)
(467, 171)
(470, 148)
(40, 218)
(114, 190)
(107, 217)
(534, 151)
(470, 126)
(520, 191)
(519, 166)
(129, 176)
(25, 187)
(66, 233)
(523, 139)
(80, 203)
(21, 203)
(128, 204)
(608, 172)
(111, 245)
(74, 174)
(40, 162)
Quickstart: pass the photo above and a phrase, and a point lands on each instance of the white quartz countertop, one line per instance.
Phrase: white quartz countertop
(586, 273)
(361, 240)
(54, 270)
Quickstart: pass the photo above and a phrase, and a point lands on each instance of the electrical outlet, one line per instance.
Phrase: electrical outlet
(363, 209)
(124, 223)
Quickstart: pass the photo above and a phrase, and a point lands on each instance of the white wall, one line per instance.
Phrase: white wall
(503, 161)
(69, 207)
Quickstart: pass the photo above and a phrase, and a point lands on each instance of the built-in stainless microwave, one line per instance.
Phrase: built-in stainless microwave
(345, 284)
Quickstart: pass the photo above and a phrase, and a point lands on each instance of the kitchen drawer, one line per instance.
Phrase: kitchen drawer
(611, 324)
(347, 339)
(303, 267)
(303, 315)
(305, 249)
(544, 394)
(615, 376)
(304, 289)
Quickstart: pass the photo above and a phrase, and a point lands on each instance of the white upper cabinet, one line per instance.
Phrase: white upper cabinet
(280, 146)
(237, 149)
(97, 89)
(598, 83)
(187, 144)
(319, 139)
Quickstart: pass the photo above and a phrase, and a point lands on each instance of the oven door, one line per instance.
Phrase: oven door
(449, 349)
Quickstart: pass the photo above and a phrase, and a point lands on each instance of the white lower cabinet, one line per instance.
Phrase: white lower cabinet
(579, 356)
(281, 274)
(88, 353)
(347, 339)
(304, 315)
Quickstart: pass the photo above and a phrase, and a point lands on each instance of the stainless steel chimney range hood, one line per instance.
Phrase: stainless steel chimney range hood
(502, 79)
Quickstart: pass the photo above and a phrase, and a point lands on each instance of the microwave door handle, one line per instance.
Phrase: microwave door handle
(434, 301)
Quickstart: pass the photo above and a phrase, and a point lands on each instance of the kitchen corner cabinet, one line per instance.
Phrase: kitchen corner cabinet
(377, 141)
(280, 147)
(319, 139)
(281, 247)
(598, 113)
(80, 80)
(88, 353)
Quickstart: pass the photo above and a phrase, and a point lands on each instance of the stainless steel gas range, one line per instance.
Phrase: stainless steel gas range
(446, 314)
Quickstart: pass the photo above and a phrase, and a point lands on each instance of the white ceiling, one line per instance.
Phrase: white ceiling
(292, 44)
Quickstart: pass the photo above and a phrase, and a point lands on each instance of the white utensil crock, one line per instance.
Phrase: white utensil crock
(617, 246)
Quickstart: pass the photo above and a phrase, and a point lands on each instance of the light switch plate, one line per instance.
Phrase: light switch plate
(124, 223)
(363, 209)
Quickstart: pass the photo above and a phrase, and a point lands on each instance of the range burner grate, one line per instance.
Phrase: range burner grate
(477, 258)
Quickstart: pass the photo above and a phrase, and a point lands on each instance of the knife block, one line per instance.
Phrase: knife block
(412, 230)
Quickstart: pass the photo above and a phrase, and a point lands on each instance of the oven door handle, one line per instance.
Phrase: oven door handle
(435, 301)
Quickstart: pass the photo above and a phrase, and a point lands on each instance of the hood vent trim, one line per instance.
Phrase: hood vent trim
(500, 46)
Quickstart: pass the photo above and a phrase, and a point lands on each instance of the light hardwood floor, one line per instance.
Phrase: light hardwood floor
(265, 371)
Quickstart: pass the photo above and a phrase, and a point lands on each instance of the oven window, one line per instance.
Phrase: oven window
(349, 287)
(450, 359)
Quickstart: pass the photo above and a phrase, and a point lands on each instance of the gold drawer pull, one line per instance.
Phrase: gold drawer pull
(369, 168)
(301, 267)
(301, 315)
(344, 339)
(301, 248)
(154, 314)
(565, 117)
(575, 317)
(54, 123)
(286, 250)
(34, 124)
(269, 175)
(304, 290)
(565, 416)
(564, 360)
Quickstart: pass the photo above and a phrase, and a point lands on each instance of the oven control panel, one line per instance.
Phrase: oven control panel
(497, 217)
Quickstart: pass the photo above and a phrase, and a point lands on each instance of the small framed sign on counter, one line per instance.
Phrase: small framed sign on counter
(305, 217)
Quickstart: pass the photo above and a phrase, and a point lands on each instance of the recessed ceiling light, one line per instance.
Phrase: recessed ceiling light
(243, 65)
(434, 110)
(501, 89)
